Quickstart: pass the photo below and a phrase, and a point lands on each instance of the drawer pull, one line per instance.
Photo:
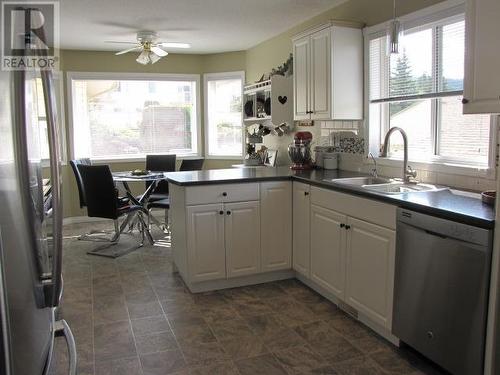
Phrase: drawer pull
(342, 225)
(228, 212)
(306, 193)
(347, 227)
(465, 101)
(221, 212)
(224, 194)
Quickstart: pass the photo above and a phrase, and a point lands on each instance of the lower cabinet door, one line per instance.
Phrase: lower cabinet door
(370, 261)
(242, 233)
(205, 242)
(276, 225)
(301, 228)
(327, 249)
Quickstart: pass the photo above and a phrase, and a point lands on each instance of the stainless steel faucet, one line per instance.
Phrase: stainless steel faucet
(408, 172)
(373, 172)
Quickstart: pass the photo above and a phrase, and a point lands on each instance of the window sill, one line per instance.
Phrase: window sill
(440, 167)
(224, 157)
(136, 159)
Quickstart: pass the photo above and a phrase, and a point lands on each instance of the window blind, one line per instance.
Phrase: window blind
(430, 64)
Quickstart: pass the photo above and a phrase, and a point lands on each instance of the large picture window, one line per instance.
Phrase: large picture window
(420, 91)
(223, 114)
(129, 116)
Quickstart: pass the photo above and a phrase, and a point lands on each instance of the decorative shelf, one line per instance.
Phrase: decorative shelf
(271, 100)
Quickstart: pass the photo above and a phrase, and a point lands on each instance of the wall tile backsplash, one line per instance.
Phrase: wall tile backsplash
(343, 135)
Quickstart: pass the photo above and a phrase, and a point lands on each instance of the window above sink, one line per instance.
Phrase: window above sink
(420, 90)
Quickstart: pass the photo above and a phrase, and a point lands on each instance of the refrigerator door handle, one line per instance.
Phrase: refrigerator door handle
(62, 328)
(55, 179)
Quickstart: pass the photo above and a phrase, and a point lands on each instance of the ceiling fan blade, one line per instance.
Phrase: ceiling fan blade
(174, 45)
(129, 50)
(120, 42)
(157, 50)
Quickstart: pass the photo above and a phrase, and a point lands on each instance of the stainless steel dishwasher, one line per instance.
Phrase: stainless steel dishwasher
(441, 290)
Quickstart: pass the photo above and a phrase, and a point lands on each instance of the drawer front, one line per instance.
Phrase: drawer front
(205, 194)
(362, 208)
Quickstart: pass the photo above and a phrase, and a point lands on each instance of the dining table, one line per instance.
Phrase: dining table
(150, 180)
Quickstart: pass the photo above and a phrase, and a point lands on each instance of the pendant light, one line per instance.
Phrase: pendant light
(394, 33)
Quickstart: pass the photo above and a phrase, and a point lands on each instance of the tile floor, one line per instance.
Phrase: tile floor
(134, 316)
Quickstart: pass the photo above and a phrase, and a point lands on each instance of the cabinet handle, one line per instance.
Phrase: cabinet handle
(221, 212)
(465, 101)
(306, 193)
(347, 227)
(224, 194)
(228, 212)
(342, 225)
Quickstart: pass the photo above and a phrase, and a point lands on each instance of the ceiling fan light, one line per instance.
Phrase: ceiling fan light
(143, 58)
(154, 57)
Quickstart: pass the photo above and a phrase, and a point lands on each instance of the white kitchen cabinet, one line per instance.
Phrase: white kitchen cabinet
(482, 57)
(328, 72)
(370, 258)
(242, 238)
(276, 225)
(301, 228)
(205, 242)
(301, 72)
(321, 67)
(328, 238)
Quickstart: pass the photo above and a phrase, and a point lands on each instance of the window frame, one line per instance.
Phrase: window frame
(447, 11)
(214, 76)
(72, 75)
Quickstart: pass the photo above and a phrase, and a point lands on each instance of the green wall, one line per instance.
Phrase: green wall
(255, 61)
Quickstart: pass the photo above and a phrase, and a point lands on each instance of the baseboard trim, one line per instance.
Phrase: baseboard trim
(86, 219)
(82, 220)
(206, 286)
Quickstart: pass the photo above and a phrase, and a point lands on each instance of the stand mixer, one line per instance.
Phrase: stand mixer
(300, 151)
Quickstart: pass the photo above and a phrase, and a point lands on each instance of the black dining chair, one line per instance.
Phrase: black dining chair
(160, 163)
(191, 165)
(102, 201)
(74, 165)
(160, 198)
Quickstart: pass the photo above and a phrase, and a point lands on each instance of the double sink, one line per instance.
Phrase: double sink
(385, 185)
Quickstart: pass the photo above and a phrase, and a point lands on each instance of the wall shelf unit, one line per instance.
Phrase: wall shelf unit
(268, 101)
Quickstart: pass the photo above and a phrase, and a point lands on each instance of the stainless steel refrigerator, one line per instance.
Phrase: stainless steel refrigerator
(30, 226)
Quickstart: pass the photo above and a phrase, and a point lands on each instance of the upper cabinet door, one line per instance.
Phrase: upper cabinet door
(321, 68)
(328, 249)
(482, 57)
(301, 71)
(370, 258)
(205, 242)
(276, 225)
(242, 232)
(301, 228)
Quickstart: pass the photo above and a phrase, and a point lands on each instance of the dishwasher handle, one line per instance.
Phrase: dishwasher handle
(436, 234)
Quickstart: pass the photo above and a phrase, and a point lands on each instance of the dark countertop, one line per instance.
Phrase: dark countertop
(450, 204)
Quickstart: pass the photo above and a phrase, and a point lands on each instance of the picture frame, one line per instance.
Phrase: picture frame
(270, 158)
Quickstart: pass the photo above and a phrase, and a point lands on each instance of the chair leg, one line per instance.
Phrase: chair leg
(119, 229)
(91, 235)
(167, 224)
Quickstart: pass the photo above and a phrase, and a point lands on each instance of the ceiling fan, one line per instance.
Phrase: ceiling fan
(151, 49)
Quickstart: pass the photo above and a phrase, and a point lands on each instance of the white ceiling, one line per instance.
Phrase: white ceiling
(210, 26)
